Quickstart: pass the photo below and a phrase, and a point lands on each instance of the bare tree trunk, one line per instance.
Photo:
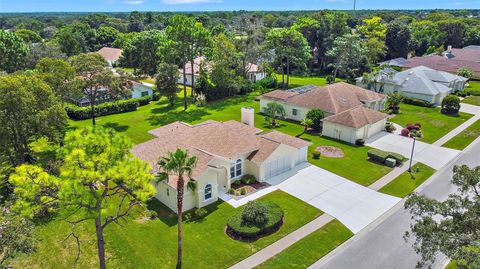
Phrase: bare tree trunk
(100, 243)
(180, 187)
(283, 76)
(184, 89)
(288, 73)
(193, 79)
(92, 107)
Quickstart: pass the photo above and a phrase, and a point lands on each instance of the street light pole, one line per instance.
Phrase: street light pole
(411, 155)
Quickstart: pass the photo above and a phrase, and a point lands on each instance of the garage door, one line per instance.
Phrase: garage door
(276, 167)
(302, 155)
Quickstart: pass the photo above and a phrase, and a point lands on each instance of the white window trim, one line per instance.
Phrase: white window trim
(234, 166)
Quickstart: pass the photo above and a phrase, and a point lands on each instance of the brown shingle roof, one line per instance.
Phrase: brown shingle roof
(441, 63)
(333, 98)
(466, 54)
(356, 117)
(110, 54)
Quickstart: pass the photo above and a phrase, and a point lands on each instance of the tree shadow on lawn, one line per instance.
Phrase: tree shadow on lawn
(167, 216)
(172, 116)
(116, 126)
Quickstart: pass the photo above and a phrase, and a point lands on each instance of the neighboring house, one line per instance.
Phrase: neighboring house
(225, 152)
(340, 99)
(450, 61)
(254, 72)
(399, 62)
(421, 83)
(111, 55)
(138, 90)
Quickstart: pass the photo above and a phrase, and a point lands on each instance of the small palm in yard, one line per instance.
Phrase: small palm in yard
(306, 122)
(273, 111)
(179, 164)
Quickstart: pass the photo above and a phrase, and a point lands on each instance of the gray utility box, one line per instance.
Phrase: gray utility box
(390, 162)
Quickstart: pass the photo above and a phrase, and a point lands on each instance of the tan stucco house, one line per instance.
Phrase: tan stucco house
(226, 151)
(351, 112)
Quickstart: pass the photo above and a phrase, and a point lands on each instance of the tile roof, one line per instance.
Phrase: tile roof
(212, 139)
(356, 117)
(110, 54)
(197, 62)
(333, 98)
(441, 63)
(395, 62)
(466, 54)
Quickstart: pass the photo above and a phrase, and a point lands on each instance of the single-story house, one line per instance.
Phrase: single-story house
(254, 72)
(420, 82)
(225, 152)
(138, 90)
(111, 55)
(399, 62)
(334, 100)
(451, 61)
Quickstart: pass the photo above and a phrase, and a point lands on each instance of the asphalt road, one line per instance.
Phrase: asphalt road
(381, 245)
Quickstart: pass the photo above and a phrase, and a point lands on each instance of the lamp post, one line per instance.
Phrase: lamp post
(411, 156)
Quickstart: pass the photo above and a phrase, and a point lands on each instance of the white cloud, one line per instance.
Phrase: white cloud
(133, 2)
(179, 2)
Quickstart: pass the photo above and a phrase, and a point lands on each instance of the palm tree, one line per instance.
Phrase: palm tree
(274, 110)
(306, 122)
(180, 164)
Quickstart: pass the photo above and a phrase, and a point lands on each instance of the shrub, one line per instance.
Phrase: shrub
(248, 229)
(472, 92)
(82, 113)
(360, 142)
(145, 100)
(451, 105)
(231, 191)
(465, 72)
(316, 154)
(236, 183)
(405, 132)
(316, 115)
(411, 127)
(417, 102)
(390, 127)
(248, 179)
(200, 99)
(243, 191)
(268, 82)
(156, 96)
(330, 79)
(255, 213)
(377, 155)
(398, 157)
(201, 212)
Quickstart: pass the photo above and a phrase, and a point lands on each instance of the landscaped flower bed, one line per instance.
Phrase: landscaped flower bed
(248, 184)
(255, 220)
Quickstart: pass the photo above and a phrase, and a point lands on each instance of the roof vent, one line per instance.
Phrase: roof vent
(248, 115)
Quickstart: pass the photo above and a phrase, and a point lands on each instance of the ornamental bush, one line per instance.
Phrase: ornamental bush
(316, 115)
(145, 100)
(377, 155)
(451, 105)
(248, 179)
(405, 132)
(260, 218)
(82, 113)
(417, 102)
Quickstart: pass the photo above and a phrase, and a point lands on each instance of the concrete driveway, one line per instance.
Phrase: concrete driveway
(352, 204)
(431, 155)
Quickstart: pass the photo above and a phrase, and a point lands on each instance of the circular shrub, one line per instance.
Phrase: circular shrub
(450, 104)
(256, 219)
(316, 115)
(316, 154)
(405, 132)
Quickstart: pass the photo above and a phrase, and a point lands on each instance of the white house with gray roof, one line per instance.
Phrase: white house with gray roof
(419, 82)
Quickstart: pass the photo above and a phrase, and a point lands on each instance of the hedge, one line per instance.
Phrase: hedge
(381, 156)
(473, 92)
(238, 228)
(143, 101)
(417, 102)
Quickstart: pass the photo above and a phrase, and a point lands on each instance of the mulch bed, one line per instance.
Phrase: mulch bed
(330, 152)
(228, 231)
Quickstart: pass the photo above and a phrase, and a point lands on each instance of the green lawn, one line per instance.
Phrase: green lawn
(404, 184)
(463, 139)
(296, 81)
(434, 124)
(472, 100)
(310, 248)
(152, 244)
(473, 85)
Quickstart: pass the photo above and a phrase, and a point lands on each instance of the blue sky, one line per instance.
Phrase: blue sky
(209, 5)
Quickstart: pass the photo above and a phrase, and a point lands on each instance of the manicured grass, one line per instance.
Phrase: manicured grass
(472, 100)
(310, 248)
(148, 80)
(473, 85)
(463, 139)
(153, 243)
(136, 125)
(434, 123)
(404, 184)
(296, 81)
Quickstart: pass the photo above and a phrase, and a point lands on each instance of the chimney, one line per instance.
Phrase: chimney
(248, 114)
(449, 49)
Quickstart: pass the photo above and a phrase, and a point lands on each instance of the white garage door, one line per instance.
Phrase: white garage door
(302, 155)
(276, 167)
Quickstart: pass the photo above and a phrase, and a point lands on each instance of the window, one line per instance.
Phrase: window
(294, 112)
(236, 169)
(144, 93)
(208, 191)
